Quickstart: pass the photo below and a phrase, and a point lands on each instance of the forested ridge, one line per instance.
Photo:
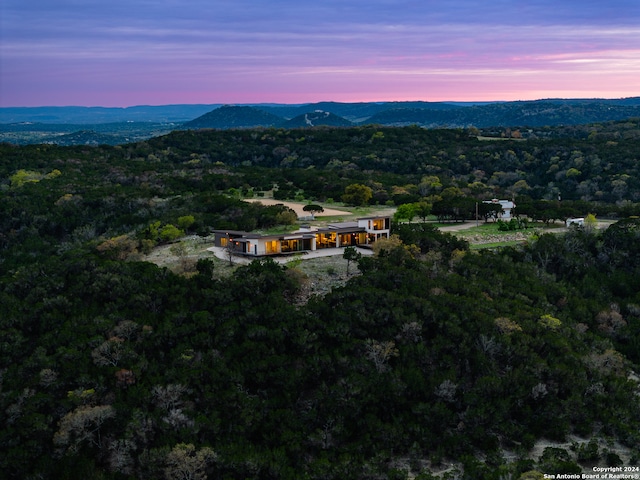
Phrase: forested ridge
(431, 355)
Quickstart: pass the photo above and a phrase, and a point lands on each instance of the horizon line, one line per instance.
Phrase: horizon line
(320, 101)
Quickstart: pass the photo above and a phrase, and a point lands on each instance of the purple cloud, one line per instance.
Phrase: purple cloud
(134, 52)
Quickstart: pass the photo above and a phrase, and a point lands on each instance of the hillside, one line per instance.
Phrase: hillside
(354, 112)
(427, 359)
(437, 115)
(596, 163)
(230, 116)
(29, 125)
(510, 114)
(315, 119)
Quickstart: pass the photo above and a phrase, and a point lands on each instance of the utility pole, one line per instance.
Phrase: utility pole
(476, 214)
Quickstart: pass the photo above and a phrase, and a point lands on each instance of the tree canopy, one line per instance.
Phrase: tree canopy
(428, 354)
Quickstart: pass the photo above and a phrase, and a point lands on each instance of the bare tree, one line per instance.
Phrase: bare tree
(380, 353)
(177, 419)
(184, 462)
(411, 332)
(609, 362)
(168, 398)
(109, 353)
(180, 250)
(14, 411)
(611, 320)
(350, 254)
(230, 250)
(539, 391)
(126, 329)
(82, 426)
(120, 459)
(446, 391)
(48, 377)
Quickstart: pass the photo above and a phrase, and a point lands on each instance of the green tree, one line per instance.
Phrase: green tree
(170, 232)
(286, 217)
(406, 211)
(313, 209)
(185, 222)
(152, 231)
(205, 268)
(489, 211)
(423, 209)
(22, 177)
(118, 248)
(590, 223)
(429, 185)
(357, 194)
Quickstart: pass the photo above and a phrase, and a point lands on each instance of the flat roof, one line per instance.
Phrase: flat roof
(239, 236)
(341, 227)
(344, 225)
(237, 233)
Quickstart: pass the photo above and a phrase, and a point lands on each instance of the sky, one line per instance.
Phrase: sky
(119, 53)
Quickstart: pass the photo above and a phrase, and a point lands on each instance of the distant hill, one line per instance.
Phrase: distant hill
(354, 112)
(33, 125)
(94, 115)
(317, 118)
(413, 116)
(24, 133)
(85, 137)
(229, 116)
(535, 113)
(523, 114)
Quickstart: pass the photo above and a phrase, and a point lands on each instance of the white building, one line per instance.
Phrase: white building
(507, 206)
(575, 221)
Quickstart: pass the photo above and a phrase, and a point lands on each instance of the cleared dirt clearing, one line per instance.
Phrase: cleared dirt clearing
(298, 207)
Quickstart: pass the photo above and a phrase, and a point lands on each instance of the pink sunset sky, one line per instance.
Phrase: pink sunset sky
(144, 52)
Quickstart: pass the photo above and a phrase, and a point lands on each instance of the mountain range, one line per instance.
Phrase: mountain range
(123, 125)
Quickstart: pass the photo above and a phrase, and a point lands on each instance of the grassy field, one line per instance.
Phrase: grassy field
(507, 243)
(492, 228)
(319, 275)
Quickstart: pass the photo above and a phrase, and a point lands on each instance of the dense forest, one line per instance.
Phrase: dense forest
(432, 359)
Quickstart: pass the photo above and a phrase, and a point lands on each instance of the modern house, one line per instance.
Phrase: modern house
(507, 206)
(575, 221)
(363, 232)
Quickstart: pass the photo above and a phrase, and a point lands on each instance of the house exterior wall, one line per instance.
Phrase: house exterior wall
(363, 232)
(575, 221)
(375, 227)
(507, 206)
(265, 246)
